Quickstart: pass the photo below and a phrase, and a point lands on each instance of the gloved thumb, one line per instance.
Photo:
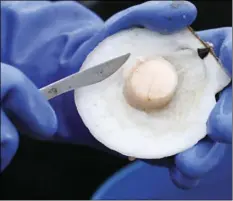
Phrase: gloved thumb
(24, 105)
(161, 16)
(23, 108)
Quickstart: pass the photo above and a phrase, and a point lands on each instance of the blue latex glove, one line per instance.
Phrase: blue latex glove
(39, 45)
(203, 157)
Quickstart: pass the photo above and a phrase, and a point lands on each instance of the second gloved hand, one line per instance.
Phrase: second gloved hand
(203, 157)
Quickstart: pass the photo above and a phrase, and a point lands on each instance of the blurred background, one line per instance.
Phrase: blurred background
(43, 170)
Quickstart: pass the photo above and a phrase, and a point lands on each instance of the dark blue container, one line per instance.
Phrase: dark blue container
(142, 181)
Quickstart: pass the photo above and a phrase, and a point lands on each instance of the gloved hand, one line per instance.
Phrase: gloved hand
(192, 164)
(40, 44)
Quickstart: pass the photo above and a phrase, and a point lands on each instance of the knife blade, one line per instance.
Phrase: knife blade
(87, 77)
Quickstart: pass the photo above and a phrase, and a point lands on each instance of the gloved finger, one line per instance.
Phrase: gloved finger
(219, 124)
(200, 159)
(221, 38)
(161, 16)
(181, 180)
(226, 53)
(9, 141)
(26, 105)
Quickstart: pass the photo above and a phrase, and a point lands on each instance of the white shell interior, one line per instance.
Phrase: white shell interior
(158, 133)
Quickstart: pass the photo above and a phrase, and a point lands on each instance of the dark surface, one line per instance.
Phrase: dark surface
(51, 171)
(44, 170)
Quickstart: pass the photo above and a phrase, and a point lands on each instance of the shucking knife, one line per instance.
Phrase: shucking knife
(87, 77)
